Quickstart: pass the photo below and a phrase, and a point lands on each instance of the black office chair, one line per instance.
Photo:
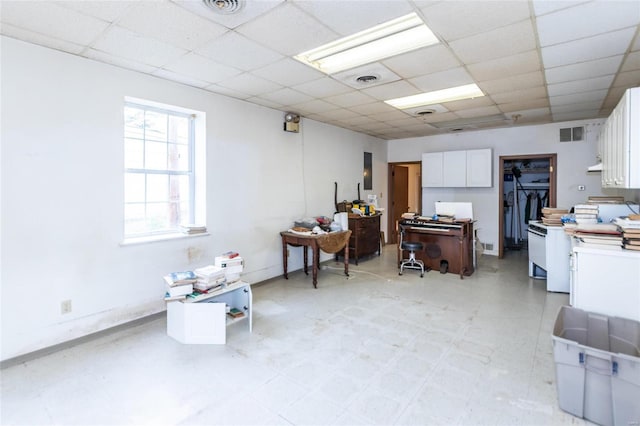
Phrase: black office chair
(411, 262)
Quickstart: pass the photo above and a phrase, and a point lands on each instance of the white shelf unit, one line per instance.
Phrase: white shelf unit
(204, 320)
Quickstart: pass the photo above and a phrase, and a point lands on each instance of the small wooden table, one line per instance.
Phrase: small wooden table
(316, 244)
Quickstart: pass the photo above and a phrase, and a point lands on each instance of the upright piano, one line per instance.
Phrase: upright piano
(450, 242)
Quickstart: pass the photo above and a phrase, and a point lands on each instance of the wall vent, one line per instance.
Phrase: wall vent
(572, 134)
(487, 246)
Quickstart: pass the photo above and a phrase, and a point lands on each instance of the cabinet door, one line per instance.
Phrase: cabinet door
(432, 169)
(454, 169)
(479, 171)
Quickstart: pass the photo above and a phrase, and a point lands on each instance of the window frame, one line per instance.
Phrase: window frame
(191, 172)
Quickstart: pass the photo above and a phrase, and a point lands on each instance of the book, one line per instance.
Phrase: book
(178, 278)
(235, 313)
(209, 273)
(180, 290)
(631, 247)
(169, 298)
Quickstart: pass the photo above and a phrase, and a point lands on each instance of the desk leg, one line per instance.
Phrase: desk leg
(346, 260)
(284, 258)
(316, 260)
(306, 262)
(463, 268)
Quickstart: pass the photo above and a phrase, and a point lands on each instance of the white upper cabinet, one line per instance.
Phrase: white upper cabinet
(457, 169)
(479, 170)
(432, 167)
(620, 143)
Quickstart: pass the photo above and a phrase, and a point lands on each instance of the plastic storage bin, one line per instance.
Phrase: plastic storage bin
(597, 360)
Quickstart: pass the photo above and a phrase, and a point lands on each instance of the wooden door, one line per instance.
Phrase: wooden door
(400, 202)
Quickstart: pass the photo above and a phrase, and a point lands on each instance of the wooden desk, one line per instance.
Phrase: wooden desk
(452, 242)
(331, 243)
(365, 235)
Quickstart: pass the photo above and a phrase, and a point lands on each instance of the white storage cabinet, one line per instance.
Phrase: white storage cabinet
(457, 169)
(606, 281)
(205, 320)
(620, 143)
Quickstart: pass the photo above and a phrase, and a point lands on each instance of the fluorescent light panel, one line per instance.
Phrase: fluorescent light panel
(391, 38)
(437, 97)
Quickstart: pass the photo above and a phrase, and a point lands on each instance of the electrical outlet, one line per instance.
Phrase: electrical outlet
(65, 307)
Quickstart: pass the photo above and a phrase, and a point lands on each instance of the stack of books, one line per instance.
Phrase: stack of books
(599, 234)
(553, 216)
(630, 232)
(232, 264)
(209, 278)
(193, 229)
(586, 213)
(179, 285)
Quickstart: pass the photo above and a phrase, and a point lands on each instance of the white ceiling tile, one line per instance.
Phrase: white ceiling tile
(583, 70)
(180, 78)
(442, 80)
(576, 115)
(586, 20)
(350, 17)
(224, 49)
(636, 43)
(478, 112)
(322, 87)
(587, 49)
(520, 94)
(505, 67)
(106, 10)
(126, 44)
(481, 101)
(391, 90)
(387, 116)
(265, 102)
(505, 41)
(52, 20)
(512, 84)
(422, 61)
(199, 67)
(40, 39)
(119, 62)
(542, 7)
(569, 87)
(613, 97)
(437, 118)
(215, 88)
(578, 98)
(373, 108)
(454, 20)
(288, 30)
(250, 84)
(425, 110)
(250, 10)
(523, 104)
(287, 96)
(528, 115)
(288, 72)
(171, 24)
(350, 99)
(313, 107)
(339, 114)
(585, 106)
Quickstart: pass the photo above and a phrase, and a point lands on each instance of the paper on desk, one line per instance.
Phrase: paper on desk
(342, 219)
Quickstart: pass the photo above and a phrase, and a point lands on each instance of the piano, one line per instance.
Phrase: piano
(444, 243)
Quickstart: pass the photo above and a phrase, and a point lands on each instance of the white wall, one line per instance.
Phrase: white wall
(573, 160)
(62, 193)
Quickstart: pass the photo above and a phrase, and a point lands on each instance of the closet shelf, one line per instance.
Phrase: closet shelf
(536, 185)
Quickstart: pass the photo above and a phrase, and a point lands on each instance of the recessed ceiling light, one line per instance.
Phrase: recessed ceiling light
(437, 97)
(391, 38)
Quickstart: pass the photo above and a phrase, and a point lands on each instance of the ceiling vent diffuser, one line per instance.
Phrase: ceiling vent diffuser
(572, 134)
(225, 7)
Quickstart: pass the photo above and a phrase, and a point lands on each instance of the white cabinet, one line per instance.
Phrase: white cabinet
(457, 169)
(606, 281)
(432, 167)
(479, 170)
(620, 143)
(205, 319)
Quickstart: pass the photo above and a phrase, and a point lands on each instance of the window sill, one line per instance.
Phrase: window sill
(157, 238)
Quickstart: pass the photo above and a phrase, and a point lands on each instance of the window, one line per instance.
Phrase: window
(160, 178)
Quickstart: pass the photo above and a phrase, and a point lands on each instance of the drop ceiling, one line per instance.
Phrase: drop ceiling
(536, 61)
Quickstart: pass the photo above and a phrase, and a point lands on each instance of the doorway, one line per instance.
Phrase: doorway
(405, 193)
(527, 184)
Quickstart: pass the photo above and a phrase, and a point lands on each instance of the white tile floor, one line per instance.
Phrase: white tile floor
(374, 349)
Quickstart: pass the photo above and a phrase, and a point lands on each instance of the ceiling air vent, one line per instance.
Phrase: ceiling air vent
(224, 7)
(367, 79)
(572, 134)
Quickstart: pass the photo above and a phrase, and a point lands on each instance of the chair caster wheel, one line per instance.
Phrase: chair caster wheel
(399, 273)
(421, 275)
